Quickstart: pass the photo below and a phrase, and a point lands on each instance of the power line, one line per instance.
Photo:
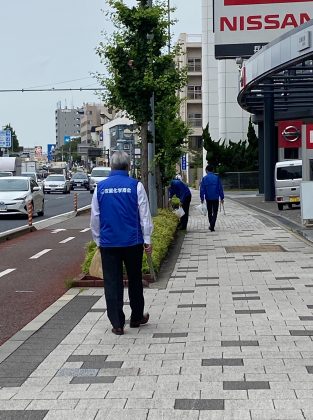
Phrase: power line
(50, 90)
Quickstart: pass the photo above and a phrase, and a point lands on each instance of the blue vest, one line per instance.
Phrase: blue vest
(119, 213)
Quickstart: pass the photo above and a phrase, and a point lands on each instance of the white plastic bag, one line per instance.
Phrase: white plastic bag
(179, 212)
(202, 208)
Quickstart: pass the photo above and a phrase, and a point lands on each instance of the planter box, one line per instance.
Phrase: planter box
(85, 280)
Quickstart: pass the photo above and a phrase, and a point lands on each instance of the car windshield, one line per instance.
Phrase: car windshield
(55, 178)
(29, 175)
(13, 184)
(289, 172)
(79, 176)
(100, 172)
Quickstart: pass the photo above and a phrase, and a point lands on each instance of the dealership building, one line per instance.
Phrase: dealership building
(271, 43)
(233, 31)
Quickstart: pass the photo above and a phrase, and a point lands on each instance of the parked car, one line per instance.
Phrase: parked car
(15, 194)
(288, 177)
(5, 173)
(98, 173)
(79, 180)
(56, 183)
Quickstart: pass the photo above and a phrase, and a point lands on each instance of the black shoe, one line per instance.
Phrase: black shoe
(136, 324)
(118, 331)
(211, 229)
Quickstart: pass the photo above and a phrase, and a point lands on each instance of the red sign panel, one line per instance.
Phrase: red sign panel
(309, 136)
(247, 2)
(289, 134)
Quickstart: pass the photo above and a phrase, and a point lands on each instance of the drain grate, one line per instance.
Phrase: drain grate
(254, 248)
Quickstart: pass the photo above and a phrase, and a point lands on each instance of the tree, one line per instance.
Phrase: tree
(138, 69)
(15, 143)
(252, 152)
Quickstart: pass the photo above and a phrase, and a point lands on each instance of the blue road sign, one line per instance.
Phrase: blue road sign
(5, 139)
(67, 139)
(183, 163)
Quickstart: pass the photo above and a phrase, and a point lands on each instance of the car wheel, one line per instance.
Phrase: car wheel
(91, 191)
(280, 206)
(42, 212)
(65, 191)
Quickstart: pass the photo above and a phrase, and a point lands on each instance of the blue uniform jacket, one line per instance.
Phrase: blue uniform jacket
(211, 188)
(179, 189)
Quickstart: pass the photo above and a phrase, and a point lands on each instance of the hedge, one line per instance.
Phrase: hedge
(165, 226)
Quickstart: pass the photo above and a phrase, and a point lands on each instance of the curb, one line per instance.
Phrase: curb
(22, 230)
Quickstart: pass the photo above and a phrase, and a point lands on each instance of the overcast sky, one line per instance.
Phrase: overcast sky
(47, 44)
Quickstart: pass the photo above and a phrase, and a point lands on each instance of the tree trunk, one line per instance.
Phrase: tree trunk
(144, 155)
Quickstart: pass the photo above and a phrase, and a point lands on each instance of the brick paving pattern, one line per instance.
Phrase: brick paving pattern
(230, 337)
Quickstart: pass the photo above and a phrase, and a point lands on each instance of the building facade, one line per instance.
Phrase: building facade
(191, 105)
(220, 88)
(67, 124)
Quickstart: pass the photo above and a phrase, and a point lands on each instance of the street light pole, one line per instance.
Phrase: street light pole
(151, 155)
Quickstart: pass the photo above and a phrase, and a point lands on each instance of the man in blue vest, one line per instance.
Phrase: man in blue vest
(121, 226)
(211, 190)
(182, 191)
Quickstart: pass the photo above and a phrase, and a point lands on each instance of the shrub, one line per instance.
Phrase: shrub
(165, 225)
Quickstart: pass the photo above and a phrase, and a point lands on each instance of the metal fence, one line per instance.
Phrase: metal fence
(240, 180)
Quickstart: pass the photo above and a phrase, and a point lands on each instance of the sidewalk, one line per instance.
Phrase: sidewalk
(229, 337)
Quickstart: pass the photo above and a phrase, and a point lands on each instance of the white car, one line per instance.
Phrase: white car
(56, 183)
(98, 173)
(34, 175)
(15, 194)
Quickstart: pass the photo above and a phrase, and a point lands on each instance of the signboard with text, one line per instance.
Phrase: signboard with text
(5, 139)
(242, 27)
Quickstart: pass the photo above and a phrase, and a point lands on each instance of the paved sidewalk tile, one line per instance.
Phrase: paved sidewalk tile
(229, 337)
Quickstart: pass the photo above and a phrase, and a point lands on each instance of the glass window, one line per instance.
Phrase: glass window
(14, 184)
(101, 172)
(289, 172)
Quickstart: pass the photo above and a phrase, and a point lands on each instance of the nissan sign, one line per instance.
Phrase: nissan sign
(289, 134)
(242, 27)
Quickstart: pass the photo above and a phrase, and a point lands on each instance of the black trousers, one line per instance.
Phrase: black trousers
(184, 219)
(112, 266)
(212, 206)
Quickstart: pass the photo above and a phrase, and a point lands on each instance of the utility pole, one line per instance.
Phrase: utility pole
(151, 154)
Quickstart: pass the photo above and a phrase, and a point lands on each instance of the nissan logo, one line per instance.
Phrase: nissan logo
(291, 133)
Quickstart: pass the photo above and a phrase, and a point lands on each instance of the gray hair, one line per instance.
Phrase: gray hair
(120, 160)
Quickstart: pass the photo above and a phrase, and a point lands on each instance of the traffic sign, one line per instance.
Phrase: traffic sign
(183, 162)
(5, 139)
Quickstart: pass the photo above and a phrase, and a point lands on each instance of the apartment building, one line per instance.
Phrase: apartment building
(191, 106)
(67, 123)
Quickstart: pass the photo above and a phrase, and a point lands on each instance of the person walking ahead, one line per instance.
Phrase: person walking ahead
(211, 190)
(121, 226)
(182, 191)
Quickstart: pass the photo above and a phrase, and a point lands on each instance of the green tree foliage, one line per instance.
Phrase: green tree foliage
(241, 156)
(15, 143)
(138, 68)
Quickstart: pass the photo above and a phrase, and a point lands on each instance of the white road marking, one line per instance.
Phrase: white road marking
(60, 198)
(8, 271)
(39, 254)
(84, 230)
(70, 238)
(57, 230)
(24, 291)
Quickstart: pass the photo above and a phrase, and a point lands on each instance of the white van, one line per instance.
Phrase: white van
(288, 177)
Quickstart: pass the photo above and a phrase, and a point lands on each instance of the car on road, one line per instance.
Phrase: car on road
(79, 180)
(15, 194)
(35, 176)
(56, 183)
(98, 173)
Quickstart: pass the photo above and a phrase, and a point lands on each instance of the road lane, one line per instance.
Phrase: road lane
(28, 285)
(55, 204)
